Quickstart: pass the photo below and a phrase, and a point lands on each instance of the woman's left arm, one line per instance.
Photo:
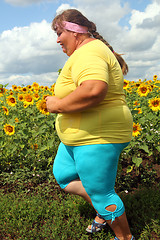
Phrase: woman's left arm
(89, 94)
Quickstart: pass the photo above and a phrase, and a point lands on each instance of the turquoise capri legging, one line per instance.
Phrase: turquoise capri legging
(96, 166)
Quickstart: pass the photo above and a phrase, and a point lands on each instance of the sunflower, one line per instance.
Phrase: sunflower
(20, 97)
(154, 104)
(2, 91)
(11, 101)
(125, 84)
(14, 87)
(9, 129)
(136, 129)
(154, 77)
(35, 86)
(139, 110)
(53, 85)
(25, 105)
(24, 89)
(28, 99)
(52, 89)
(6, 112)
(46, 88)
(136, 103)
(29, 87)
(151, 87)
(44, 96)
(16, 120)
(34, 146)
(36, 96)
(149, 81)
(143, 90)
(137, 84)
(41, 105)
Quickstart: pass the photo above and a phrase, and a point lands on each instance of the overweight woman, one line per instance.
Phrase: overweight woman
(93, 120)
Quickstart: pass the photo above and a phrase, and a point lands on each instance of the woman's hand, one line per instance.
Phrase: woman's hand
(52, 104)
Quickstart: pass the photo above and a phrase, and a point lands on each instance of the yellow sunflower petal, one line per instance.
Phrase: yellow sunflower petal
(9, 129)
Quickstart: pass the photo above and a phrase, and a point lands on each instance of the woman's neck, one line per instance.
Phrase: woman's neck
(84, 41)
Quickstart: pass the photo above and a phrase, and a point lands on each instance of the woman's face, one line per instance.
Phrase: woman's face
(67, 40)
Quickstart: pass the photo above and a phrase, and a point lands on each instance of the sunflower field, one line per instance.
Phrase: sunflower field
(27, 132)
(143, 98)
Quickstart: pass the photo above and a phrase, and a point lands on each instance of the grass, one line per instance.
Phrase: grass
(41, 210)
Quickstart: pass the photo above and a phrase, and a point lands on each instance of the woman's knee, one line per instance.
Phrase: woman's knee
(75, 187)
(64, 175)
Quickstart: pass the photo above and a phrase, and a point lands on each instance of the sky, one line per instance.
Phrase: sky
(29, 52)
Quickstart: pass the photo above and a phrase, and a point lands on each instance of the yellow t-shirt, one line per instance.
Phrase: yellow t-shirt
(111, 120)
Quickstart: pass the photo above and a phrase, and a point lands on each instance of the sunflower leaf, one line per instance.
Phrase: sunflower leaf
(158, 148)
(137, 161)
(145, 148)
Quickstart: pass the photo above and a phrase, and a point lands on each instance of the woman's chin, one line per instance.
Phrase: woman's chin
(64, 50)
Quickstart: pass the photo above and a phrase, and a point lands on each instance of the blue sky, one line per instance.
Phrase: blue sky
(28, 45)
(19, 15)
(138, 4)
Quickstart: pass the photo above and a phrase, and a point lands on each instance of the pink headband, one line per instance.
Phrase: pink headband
(74, 27)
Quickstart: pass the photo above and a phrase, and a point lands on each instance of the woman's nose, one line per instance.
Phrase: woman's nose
(58, 40)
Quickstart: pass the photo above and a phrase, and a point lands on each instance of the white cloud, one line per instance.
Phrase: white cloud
(141, 42)
(135, 41)
(30, 50)
(151, 12)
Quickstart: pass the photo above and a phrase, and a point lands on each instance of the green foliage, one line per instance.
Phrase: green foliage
(143, 211)
(145, 144)
(46, 212)
(34, 143)
(32, 205)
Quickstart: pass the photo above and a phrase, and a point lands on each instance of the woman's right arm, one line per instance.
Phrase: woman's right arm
(89, 94)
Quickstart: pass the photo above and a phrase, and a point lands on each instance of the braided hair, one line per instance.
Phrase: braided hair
(74, 16)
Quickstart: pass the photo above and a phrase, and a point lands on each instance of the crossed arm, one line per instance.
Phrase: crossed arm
(89, 94)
